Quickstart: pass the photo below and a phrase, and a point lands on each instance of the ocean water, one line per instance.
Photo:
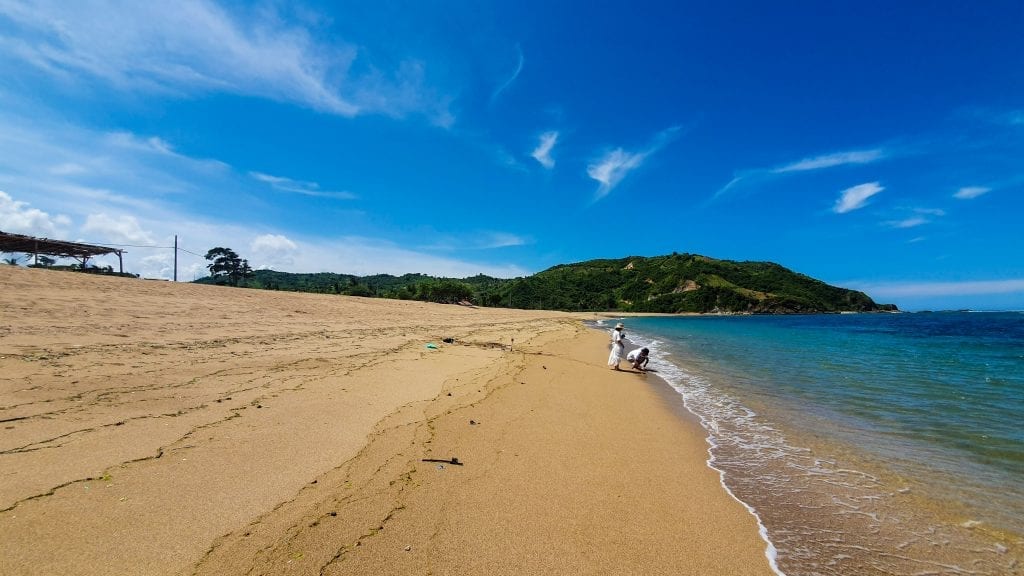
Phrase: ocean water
(864, 443)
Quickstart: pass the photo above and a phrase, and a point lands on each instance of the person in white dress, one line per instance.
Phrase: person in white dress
(617, 347)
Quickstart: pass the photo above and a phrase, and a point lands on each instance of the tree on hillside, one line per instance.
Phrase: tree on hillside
(226, 264)
(443, 291)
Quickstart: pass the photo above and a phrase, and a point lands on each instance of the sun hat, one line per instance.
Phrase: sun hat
(620, 325)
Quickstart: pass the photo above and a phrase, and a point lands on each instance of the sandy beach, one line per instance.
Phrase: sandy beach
(159, 428)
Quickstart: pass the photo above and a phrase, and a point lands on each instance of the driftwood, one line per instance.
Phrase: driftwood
(453, 460)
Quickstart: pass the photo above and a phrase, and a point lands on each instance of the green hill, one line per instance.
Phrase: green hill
(672, 284)
(684, 283)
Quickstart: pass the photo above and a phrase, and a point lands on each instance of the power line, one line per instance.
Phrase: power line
(127, 245)
(144, 246)
(176, 248)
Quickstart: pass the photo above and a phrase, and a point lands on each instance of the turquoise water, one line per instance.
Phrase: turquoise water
(869, 443)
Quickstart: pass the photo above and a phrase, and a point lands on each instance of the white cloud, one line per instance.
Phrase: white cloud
(832, 160)
(344, 254)
(191, 47)
(300, 187)
(273, 251)
(612, 168)
(970, 192)
(156, 188)
(856, 197)
(160, 266)
(123, 229)
(17, 218)
(615, 165)
(542, 153)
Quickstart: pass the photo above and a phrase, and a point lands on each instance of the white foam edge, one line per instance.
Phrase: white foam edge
(770, 552)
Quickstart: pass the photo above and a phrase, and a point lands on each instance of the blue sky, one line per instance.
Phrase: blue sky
(873, 145)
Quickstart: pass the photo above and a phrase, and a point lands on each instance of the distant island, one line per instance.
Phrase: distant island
(677, 283)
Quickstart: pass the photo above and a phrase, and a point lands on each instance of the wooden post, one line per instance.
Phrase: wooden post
(175, 257)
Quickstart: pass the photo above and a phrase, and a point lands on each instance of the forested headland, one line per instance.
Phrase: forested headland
(677, 283)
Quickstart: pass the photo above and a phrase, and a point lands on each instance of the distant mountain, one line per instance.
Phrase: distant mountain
(671, 284)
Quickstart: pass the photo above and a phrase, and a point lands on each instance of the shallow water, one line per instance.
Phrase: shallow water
(881, 443)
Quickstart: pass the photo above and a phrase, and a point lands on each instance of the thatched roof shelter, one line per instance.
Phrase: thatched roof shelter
(60, 248)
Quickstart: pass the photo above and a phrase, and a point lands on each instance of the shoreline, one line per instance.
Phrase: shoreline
(676, 402)
(862, 497)
(181, 429)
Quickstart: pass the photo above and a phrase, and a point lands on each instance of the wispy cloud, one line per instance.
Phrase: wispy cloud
(835, 159)
(736, 180)
(502, 240)
(542, 153)
(970, 192)
(152, 144)
(921, 217)
(131, 189)
(67, 169)
(912, 222)
(363, 256)
(192, 47)
(856, 197)
(515, 74)
(832, 160)
(79, 171)
(613, 166)
(159, 147)
(479, 240)
(300, 187)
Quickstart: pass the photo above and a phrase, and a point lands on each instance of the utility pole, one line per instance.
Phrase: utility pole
(175, 257)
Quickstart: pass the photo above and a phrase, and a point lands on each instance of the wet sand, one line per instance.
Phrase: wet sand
(159, 428)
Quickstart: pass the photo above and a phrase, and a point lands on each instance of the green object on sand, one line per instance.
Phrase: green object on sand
(432, 346)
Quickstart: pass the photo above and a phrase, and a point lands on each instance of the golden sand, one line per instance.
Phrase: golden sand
(158, 428)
